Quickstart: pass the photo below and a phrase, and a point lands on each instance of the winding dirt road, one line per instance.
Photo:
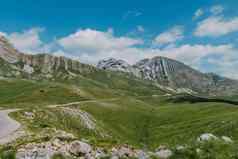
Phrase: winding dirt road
(8, 127)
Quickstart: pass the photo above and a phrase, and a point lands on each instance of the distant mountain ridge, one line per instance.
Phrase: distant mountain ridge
(166, 73)
(39, 65)
(174, 74)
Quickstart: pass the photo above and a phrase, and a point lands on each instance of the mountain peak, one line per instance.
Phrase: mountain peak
(174, 74)
(114, 65)
(7, 51)
(43, 65)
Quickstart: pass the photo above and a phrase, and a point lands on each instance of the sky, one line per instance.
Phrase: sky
(203, 33)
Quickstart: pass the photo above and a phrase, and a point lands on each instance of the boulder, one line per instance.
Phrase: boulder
(35, 151)
(227, 139)
(180, 148)
(99, 153)
(163, 153)
(79, 148)
(62, 135)
(140, 154)
(122, 152)
(29, 115)
(207, 137)
(125, 151)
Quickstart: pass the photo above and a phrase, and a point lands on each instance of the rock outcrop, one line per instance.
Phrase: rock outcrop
(44, 65)
(79, 148)
(7, 51)
(175, 75)
(167, 73)
(118, 65)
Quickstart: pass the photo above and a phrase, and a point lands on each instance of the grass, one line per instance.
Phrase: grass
(138, 123)
(7, 153)
(214, 149)
(24, 93)
(141, 123)
(139, 114)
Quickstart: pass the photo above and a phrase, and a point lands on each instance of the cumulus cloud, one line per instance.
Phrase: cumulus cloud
(27, 41)
(89, 46)
(226, 65)
(193, 54)
(170, 36)
(3, 34)
(217, 9)
(198, 13)
(140, 28)
(93, 40)
(215, 26)
(93, 43)
(131, 13)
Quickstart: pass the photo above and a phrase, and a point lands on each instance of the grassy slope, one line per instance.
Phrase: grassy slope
(151, 122)
(134, 117)
(23, 93)
(98, 85)
(146, 121)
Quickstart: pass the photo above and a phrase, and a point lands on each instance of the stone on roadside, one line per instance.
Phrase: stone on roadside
(163, 152)
(207, 137)
(227, 139)
(79, 148)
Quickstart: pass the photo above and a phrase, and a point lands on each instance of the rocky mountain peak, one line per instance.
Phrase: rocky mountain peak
(7, 51)
(43, 64)
(157, 68)
(114, 64)
(118, 65)
(173, 74)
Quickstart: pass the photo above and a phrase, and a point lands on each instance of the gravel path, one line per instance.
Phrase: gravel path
(8, 127)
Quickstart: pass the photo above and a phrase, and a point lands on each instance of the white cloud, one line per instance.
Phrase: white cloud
(217, 9)
(193, 54)
(27, 41)
(3, 34)
(131, 13)
(198, 13)
(90, 45)
(140, 28)
(227, 65)
(215, 26)
(170, 36)
(89, 40)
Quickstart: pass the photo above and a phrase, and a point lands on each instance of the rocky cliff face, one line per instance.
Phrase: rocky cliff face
(39, 65)
(118, 65)
(178, 76)
(7, 51)
(165, 72)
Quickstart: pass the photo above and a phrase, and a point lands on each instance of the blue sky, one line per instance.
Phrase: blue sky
(201, 33)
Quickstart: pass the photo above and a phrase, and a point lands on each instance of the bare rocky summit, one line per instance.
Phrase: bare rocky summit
(175, 75)
(118, 65)
(43, 65)
(165, 72)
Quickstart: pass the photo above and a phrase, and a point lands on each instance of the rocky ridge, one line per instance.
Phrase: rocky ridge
(38, 65)
(175, 76)
(118, 65)
(167, 73)
(65, 144)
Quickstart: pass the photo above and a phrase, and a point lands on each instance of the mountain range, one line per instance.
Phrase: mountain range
(168, 74)
(174, 75)
(155, 103)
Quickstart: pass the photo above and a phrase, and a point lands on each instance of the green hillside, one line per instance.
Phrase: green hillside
(142, 119)
(121, 108)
